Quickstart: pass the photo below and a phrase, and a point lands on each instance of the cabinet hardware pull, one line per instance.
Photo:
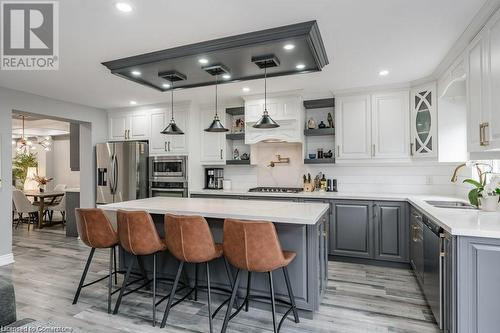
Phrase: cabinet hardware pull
(411, 149)
(481, 134)
(221, 154)
(169, 146)
(166, 149)
(338, 150)
(125, 134)
(484, 141)
(128, 134)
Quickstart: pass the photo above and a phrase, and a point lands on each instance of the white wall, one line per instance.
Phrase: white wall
(58, 164)
(95, 130)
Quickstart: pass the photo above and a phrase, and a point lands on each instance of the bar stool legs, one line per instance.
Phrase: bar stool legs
(273, 305)
(84, 275)
(291, 295)
(172, 295)
(112, 271)
(291, 304)
(231, 301)
(209, 298)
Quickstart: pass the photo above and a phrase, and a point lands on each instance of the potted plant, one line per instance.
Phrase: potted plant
(42, 181)
(485, 194)
(20, 165)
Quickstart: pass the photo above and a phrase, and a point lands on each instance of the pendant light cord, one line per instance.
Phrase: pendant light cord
(265, 88)
(216, 97)
(172, 98)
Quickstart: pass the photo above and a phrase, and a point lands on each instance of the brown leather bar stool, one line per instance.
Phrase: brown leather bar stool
(96, 231)
(190, 240)
(138, 237)
(254, 246)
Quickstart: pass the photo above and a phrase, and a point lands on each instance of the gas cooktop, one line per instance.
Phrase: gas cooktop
(276, 189)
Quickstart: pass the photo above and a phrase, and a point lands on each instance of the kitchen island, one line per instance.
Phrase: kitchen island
(301, 227)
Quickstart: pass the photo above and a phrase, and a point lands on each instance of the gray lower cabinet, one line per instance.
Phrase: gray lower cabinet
(478, 288)
(391, 231)
(351, 229)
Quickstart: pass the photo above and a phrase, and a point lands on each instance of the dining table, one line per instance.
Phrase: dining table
(42, 200)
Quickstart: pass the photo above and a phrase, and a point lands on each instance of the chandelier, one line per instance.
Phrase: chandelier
(26, 144)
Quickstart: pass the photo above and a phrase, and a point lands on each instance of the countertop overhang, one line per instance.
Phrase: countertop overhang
(274, 211)
(457, 222)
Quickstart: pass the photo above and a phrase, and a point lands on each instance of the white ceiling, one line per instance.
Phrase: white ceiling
(407, 37)
(38, 127)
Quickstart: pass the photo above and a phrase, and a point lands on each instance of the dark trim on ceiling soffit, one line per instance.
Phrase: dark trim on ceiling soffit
(306, 33)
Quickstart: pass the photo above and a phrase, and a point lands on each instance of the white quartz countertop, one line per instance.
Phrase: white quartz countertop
(458, 222)
(279, 212)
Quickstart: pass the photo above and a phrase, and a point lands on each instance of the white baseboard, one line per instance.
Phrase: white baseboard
(6, 259)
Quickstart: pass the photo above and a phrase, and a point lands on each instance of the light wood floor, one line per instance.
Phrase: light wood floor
(360, 298)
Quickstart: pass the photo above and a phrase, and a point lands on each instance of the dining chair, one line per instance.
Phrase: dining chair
(58, 207)
(24, 206)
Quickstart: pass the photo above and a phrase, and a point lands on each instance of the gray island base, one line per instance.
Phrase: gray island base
(301, 227)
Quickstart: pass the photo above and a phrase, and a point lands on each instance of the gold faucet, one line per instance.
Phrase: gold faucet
(480, 173)
(282, 160)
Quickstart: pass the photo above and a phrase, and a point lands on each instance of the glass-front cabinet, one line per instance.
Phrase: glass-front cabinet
(424, 122)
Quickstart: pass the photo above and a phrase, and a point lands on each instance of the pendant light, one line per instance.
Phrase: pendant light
(216, 125)
(172, 128)
(265, 121)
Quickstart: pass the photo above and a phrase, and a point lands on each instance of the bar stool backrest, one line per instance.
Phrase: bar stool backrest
(189, 238)
(252, 245)
(137, 233)
(94, 228)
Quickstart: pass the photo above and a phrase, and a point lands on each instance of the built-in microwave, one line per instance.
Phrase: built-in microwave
(168, 167)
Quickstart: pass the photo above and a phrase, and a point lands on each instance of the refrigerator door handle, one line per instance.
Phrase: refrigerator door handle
(112, 174)
(115, 174)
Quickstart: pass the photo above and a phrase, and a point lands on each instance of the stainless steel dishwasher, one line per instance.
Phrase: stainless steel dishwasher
(433, 269)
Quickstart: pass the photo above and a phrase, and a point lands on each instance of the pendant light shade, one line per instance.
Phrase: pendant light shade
(172, 128)
(265, 121)
(216, 125)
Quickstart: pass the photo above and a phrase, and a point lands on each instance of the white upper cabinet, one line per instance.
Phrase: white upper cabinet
(476, 108)
(118, 126)
(424, 122)
(491, 131)
(390, 125)
(373, 127)
(132, 125)
(353, 127)
(213, 145)
(161, 144)
(483, 89)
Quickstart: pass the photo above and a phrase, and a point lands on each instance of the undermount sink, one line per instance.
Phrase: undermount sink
(451, 204)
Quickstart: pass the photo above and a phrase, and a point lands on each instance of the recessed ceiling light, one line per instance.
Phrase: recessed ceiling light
(136, 73)
(300, 66)
(123, 7)
(383, 72)
(133, 103)
(289, 47)
(203, 61)
(226, 76)
(166, 85)
(246, 89)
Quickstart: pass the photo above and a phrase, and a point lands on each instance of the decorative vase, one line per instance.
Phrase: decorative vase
(489, 203)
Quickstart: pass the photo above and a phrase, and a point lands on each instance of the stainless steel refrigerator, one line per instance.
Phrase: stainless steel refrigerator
(122, 171)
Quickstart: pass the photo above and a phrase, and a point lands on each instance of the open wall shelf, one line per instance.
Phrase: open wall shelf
(237, 162)
(319, 161)
(319, 138)
(319, 131)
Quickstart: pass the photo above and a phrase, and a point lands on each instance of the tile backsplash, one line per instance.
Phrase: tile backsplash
(417, 177)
